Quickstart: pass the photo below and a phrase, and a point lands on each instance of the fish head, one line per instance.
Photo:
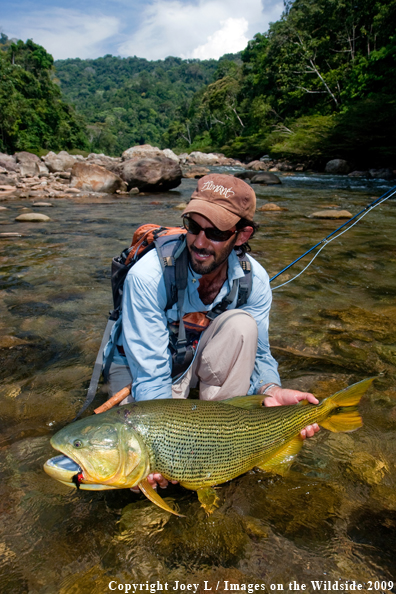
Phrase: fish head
(99, 452)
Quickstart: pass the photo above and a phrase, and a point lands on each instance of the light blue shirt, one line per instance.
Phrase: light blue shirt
(145, 336)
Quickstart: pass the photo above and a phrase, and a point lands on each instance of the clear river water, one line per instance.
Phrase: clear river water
(332, 520)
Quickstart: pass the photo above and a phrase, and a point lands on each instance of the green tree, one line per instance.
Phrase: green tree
(32, 114)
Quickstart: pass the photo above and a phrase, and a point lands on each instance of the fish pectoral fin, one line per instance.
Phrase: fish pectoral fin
(283, 458)
(152, 494)
(247, 402)
(208, 499)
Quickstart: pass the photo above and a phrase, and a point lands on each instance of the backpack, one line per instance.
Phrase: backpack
(171, 248)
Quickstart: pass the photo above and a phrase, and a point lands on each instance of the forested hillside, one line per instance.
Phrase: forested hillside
(129, 101)
(33, 115)
(320, 84)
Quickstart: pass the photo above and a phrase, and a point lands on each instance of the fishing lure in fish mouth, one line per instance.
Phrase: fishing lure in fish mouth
(348, 224)
(200, 444)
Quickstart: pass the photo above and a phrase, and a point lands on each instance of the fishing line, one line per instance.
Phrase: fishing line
(327, 239)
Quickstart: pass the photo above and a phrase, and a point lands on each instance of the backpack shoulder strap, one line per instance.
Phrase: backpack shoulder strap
(245, 283)
(173, 257)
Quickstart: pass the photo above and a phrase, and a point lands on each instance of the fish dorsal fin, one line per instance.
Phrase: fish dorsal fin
(283, 458)
(152, 494)
(247, 402)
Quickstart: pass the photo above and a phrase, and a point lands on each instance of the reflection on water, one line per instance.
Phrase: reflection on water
(332, 518)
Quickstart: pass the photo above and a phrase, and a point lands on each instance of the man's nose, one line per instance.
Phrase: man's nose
(201, 240)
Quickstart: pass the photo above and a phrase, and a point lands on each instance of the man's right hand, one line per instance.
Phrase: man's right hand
(155, 478)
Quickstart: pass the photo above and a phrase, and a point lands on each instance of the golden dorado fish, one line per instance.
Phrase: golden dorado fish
(200, 444)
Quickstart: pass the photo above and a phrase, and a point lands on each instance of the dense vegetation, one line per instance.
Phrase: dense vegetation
(33, 115)
(131, 101)
(320, 84)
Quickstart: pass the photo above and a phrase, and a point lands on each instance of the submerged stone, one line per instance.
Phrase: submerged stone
(330, 214)
(32, 217)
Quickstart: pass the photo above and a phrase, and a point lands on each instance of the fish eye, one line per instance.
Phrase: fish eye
(77, 443)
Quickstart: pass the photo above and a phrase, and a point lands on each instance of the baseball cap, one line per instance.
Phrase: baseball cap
(223, 199)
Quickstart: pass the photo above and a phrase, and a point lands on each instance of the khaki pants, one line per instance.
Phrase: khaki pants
(222, 365)
(224, 360)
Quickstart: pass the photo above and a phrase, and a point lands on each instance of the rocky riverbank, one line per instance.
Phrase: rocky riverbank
(141, 168)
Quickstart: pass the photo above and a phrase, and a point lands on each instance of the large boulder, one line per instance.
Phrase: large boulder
(337, 167)
(141, 151)
(245, 174)
(265, 177)
(8, 162)
(195, 172)
(29, 163)
(58, 162)
(152, 174)
(203, 158)
(257, 165)
(94, 178)
(381, 173)
(110, 163)
(169, 154)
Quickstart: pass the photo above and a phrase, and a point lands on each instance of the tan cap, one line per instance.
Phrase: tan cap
(223, 199)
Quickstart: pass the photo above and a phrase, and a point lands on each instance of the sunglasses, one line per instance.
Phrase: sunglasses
(211, 233)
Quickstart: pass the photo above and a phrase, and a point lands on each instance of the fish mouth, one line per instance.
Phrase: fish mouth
(69, 473)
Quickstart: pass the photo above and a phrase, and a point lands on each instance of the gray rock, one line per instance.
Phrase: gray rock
(142, 151)
(381, 173)
(248, 174)
(6, 180)
(265, 178)
(8, 162)
(152, 174)
(199, 158)
(58, 162)
(25, 157)
(257, 165)
(29, 163)
(337, 167)
(330, 214)
(195, 172)
(169, 154)
(42, 204)
(32, 217)
(95, 178)
(358, 174)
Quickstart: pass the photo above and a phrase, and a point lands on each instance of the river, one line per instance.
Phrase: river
(332, 519)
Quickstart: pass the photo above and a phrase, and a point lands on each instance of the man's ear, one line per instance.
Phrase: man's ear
(244, 235)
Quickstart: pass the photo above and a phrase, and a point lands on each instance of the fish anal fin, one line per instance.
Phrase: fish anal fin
(208, 499)
(284, 457)
(350, 420)
(152, 494)
(248, 402)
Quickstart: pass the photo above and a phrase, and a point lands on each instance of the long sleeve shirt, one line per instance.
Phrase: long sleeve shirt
(145, 337)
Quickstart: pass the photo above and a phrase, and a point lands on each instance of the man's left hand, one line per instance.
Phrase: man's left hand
(278, 396)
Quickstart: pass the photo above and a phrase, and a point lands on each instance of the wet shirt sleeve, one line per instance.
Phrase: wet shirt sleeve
(145, 336)
(259, 305)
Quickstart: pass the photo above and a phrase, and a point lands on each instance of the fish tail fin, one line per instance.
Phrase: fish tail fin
(343, 422)
(346, 420)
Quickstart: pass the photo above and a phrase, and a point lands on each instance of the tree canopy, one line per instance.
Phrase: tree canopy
(33, 115)
(320, 84)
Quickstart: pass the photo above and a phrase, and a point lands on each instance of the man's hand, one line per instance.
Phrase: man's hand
(155, 478)
(278, 396)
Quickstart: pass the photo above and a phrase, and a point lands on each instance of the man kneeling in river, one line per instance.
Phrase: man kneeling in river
(232, 354)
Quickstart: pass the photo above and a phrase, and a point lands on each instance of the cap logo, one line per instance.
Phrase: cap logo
(211, 187)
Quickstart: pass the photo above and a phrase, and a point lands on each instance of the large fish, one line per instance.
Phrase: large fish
(197, 443)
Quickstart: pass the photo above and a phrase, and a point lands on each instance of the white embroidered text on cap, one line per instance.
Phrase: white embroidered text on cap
(209, 185)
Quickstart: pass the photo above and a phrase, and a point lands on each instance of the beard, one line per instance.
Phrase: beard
(218, 258)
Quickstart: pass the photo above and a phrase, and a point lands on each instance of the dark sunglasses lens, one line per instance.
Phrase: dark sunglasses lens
(211, 233)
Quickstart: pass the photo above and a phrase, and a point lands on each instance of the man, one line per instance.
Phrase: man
(232, 356)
